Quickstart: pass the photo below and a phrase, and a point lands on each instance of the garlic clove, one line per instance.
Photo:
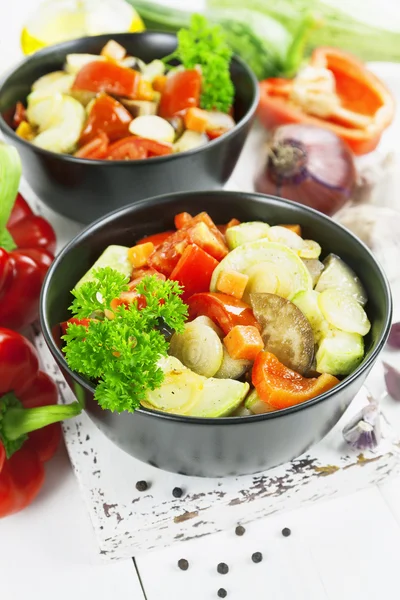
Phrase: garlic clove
(363, 432)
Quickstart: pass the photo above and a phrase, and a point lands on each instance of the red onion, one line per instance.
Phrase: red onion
(392, 380)
(394, 336)
(309, 165)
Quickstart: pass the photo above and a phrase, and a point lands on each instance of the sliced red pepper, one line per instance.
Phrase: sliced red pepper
(29, 425)
(64, 325)
(129, 148)
(194, 271)
(226, 311)
(199, 230)
(359, 91)
(280, 387)
(106, 76)
(182, 90)
(155, 148)
(156, 239)
(107, 116)
(96, 149)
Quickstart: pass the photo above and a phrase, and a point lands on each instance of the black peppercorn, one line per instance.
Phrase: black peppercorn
(286, 532)
(222, 568)
(183, 564)
(257, 557)
(240, 530)
(142, 486)
(222, 593)
(177, 492)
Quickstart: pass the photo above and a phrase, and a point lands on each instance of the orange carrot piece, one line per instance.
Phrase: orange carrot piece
(159, 83)
(294, 228)
(145, 90)
(243, 342)
(182, 219)
(138, 255)
(196, 119)
(232, 283)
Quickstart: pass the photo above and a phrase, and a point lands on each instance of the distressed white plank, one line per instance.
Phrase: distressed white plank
(51, 547)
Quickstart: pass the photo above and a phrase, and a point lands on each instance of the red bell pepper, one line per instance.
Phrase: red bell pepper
(194, 271)
(280, 387)
(365, 106)
(29, 422)
(108, 116)
(27, 243)
(182, 90)
(108, 77)
(226, 311)
(157, 238)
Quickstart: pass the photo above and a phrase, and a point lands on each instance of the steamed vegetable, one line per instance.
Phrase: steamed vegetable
(285, 331)
(337, 274)
(271, 267)
(281, 387)
(122, 352)
(294, 168)
(246, 232)
(198, 347)
(343, 312)
(339, 352)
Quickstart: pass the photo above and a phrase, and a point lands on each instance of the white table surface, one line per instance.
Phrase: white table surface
(344, 549)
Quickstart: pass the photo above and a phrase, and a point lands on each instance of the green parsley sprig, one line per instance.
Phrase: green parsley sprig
(122, 353)
(205, 45)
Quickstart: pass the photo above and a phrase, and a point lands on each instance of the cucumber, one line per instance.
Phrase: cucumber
(271, 267)
(339, 353)
(57, 81)
(310, 250)
(307, 302)
(190, 140)
(43, 110)
(337, 274)
(283, 235)
(246, 232)
(152, 70)
(255, 405)
(219, 398)
(198, 347)
(343, 312)
(64, 132)
(184, 392)
(115, 257)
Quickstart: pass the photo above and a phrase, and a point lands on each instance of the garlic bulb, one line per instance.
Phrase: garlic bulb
(363, 431)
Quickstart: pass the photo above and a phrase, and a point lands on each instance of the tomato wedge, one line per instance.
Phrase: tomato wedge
(64, 324)
(194, 271)
(156, 239)
(128, 148)
(226, 311)
(182, 90)
(97, 148)
(280, 387)
(106, 76)
(109, 116)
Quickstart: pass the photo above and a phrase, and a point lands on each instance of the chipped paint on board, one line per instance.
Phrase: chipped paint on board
(128, 523)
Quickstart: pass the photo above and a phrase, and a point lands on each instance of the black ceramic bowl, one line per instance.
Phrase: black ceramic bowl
(226, 446)
(85, 190)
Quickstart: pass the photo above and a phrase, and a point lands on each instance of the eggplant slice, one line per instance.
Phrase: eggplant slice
(286, 332)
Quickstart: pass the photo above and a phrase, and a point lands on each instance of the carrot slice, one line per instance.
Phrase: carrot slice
(196, 119)
(243, 342)
(232, 283)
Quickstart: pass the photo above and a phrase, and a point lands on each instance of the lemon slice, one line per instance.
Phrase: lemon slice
(61, 20)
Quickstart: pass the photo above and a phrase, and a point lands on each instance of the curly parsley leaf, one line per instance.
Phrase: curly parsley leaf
(205, 45)
(122, 353)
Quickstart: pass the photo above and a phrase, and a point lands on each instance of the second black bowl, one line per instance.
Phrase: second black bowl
(231, 445)
(85, 190)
